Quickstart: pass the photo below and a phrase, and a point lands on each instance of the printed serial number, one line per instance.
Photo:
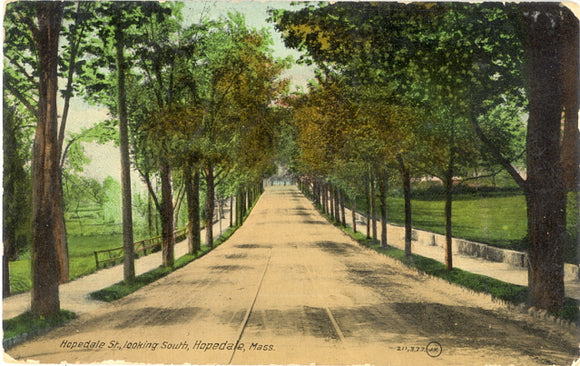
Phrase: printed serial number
(411, 348)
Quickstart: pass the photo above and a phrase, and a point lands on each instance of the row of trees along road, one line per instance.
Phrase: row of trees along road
(191, 102)
(440, 88)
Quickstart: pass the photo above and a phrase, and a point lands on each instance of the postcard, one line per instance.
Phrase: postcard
(291, 183)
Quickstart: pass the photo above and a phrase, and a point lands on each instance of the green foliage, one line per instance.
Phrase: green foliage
(80, 190)
(98, 69)
(111, 200)
(20, 71)
(27, 323)
(571, 243)
(20, 276)
(456, 64)
(17, 181)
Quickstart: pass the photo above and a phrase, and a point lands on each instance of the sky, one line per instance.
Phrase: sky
(105, 159)
(256, 14)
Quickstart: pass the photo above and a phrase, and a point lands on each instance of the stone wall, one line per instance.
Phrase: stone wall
(484, 251)
(468, 248)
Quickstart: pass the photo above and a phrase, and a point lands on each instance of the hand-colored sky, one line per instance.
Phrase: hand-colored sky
(256, 14)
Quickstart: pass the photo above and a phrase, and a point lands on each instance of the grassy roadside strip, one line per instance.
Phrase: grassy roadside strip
(27, 325)
(514, 294)
(122, 289)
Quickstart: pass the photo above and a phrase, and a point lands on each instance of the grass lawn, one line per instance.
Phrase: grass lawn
(496, 217)
(27, 322)
(81, 259)
(500, 221)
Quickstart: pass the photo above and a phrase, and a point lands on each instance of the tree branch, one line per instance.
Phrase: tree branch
(492, 174)
(497, 154)
(71, 70)
(22, 70)
(68, 145)
(22, 98)
(150, 189)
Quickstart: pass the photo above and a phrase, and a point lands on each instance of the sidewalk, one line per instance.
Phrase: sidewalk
(74, 295)
(500, 271)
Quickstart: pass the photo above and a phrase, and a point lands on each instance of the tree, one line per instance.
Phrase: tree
(569, 76)
(530, 59)
(21, 79)
(343, 126)
(46, 197)
(383, 133)
(121, 27)
(545, 189)
(121, 66)
(161, 70)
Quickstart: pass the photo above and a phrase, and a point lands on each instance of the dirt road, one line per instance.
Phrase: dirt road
(288, 288)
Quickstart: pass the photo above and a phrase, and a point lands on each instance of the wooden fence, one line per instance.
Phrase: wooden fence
(110, 257)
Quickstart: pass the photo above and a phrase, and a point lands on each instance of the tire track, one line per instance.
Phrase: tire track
(251, 307)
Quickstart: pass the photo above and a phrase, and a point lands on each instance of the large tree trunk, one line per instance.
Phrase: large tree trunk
(545, 190)
(167, 216)
(448, 186)
(317, 192)
(569, 46)
(337, 204)
(406, 178)
(192, 194)
(150, 215)
(337, 208)
(46, 195)
(238, 207)
(324, 197)
(332, 212)
(9, 195)
(127, 206)
(209, 206)
(231, 211)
